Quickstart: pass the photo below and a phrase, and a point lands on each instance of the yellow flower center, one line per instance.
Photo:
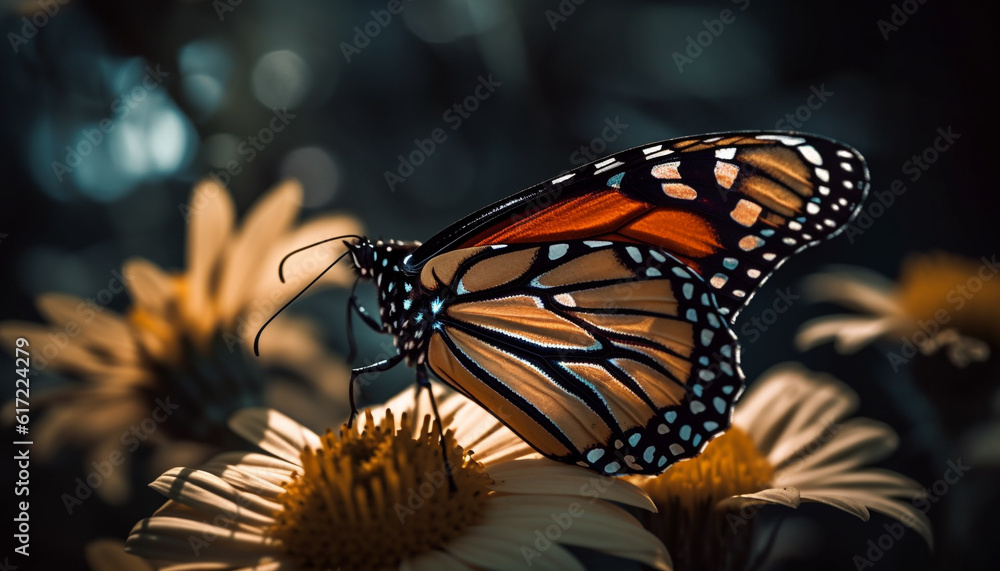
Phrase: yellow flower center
(947, 289)
(371, 500)
(730, 465)
(160, 333)
(697, 533)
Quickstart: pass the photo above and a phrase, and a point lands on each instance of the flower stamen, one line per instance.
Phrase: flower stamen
(371, 500)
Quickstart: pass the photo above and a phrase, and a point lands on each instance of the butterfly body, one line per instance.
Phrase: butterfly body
(593, 313)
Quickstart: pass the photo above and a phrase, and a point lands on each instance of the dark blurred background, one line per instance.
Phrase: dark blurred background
(189, 87)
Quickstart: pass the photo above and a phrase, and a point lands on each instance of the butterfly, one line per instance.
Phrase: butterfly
(593, 313)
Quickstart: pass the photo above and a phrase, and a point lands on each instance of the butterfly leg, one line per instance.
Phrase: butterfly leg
(354, 307)
(379, 367)
(424, 383)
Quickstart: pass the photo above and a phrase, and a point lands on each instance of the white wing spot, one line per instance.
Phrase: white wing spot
(660, 154)
(811, 154)
(728, 153)
(790, 141)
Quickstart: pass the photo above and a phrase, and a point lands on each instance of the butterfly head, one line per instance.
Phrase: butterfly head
(363, 255)
(373, 258)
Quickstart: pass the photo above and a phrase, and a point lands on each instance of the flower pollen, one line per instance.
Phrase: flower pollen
(374, 499)
(729, 466)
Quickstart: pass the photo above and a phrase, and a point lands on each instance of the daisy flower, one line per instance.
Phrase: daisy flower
(941, 301)
(173, 368)
(790, 442)
(378, 497)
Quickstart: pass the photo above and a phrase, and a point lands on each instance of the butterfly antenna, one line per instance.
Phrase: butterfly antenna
(281, 265)
(256, 340)
(352, 346)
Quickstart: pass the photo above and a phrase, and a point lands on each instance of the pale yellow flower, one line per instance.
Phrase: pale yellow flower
(173, 368)
(379, 498)
(940, 301)
(790, 442)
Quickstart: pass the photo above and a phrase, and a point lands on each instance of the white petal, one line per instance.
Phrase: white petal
(274, 432)
(782, 496)
(872, 480)
(247, 479)
(105, 330)
(210, 225)
(857, 288)
(787, 400)
(544, 476)
(503, 549)
(149, 287)
(213, 496)
(842, 502)
(264, 224)
(904, 512)
(578, 521)
(857, 442)
(849, 333)
(264, 466)
(184, 540)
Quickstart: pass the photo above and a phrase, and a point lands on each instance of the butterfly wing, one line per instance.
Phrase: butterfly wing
(611, 355)
(732, 206)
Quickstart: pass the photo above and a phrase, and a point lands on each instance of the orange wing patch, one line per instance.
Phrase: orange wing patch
(445, 266)
(576, 218)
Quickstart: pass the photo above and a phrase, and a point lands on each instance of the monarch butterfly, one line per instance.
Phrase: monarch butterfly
(592, 313)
